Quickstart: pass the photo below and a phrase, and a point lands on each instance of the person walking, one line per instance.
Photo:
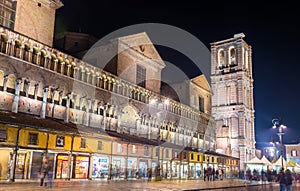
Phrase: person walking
(50, 176)
(43, 172)
(289, 180)
(149, 174)
(281, 179)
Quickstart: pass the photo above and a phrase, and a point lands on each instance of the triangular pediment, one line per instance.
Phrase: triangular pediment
(201, 81)
(142, 44)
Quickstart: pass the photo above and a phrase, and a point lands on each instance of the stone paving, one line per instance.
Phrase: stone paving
(141, 185)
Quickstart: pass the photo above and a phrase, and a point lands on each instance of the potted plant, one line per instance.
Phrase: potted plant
(53, 57)
(18, 43)
(43, 53)
(60, 59)
(35, 50)
(27, 47)
(4, 37)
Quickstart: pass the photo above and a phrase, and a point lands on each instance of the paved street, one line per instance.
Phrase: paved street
(140, 185)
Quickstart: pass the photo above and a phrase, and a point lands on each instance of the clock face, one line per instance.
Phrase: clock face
(60, 141)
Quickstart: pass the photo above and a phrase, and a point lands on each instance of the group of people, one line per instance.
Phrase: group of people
(210, 174)
(285, 180)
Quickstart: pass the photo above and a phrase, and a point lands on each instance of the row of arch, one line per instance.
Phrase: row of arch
(111, 115)
(51, 59)
(229, 57)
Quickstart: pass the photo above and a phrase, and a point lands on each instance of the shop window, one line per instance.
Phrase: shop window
(3, 135)
(100, 145)
(119, 148)
(83, 143)
(146, 150)
(133, 149)
(60, 141)
(33, 139)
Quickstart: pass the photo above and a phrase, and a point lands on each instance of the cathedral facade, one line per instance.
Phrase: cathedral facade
(104, 122)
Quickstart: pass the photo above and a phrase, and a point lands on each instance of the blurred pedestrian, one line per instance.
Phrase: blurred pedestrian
(50, 176)
(43, 173)
(149, 172)
(281, 179)
(289, 180)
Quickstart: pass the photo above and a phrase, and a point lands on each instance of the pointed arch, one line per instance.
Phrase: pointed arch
(232, 56)
(221, 58)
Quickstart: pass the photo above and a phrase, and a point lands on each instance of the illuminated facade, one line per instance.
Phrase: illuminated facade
(94, 123)
(232, 100)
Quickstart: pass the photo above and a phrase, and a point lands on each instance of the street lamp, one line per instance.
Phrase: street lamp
(278, 125)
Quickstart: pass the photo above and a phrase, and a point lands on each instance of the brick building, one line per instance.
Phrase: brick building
(232, 100)
(111, 119)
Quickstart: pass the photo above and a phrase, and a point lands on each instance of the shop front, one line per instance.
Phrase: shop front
(175, 169)
(192, 170)
(184, 170)
(166, 169)
(82, 166)
(143, 166)
(198, 172)
(100, 166)
(61, 170)
(36, 162)
(118, 167)
(132, 171)
(6, 161)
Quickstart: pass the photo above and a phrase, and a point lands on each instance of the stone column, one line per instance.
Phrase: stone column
(94, 81)
(119, 112)
(76, 73)
(15, 103)
(68, 70)
(36, 89)
(44, 104)
(104, 117)
(87, 120)
(69, 97)
(91, 166)
(88, 77)
(5, 83)
(55, 65)
(27, 85)
(83, 76)
(81, 102)
(62, 67)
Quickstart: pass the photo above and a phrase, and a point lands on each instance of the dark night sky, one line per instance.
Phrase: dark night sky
(271, 29)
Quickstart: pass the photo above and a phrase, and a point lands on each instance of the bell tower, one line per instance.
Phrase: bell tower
(232, 100)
